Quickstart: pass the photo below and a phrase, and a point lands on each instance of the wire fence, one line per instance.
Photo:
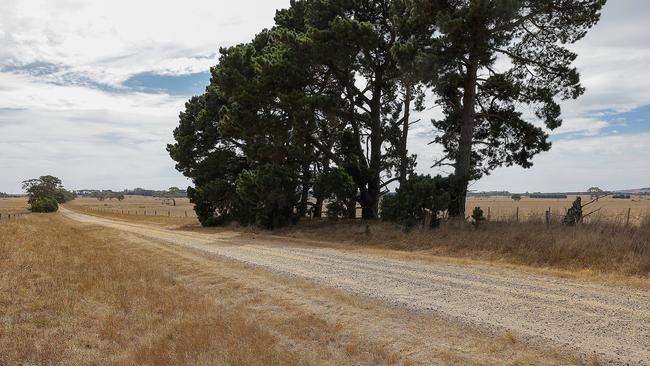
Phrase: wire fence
(171, 213)
(628, 216)
(9, 216)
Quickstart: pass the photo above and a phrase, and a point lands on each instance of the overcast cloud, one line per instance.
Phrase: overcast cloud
(90, 91)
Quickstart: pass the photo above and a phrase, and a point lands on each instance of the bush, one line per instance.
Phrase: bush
(268, 196)
(44, 205)
(477, 217)
(420, 192)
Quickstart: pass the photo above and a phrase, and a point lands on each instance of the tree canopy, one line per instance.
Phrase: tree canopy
(47, 187)
(488, 61)
(317, 109)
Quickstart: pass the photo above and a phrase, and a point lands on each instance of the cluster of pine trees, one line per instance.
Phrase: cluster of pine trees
(318, 108)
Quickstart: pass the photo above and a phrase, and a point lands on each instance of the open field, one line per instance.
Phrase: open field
(13, 207)
(611, 210)
(13, 204)
(75, 293)
(141, 209)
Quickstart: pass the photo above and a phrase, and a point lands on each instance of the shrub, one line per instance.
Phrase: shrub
(44, 205)
(477, 217)
(268, 196)
(420, 192)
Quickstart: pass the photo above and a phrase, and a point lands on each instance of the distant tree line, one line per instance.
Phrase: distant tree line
(317, 110)
(107, 195)
(102, 195)
(173, 192)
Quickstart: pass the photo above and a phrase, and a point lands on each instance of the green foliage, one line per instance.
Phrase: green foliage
(47, 187)
(516, 197)
(332, 84)
(268, 196)
(420, 192)
(44, 205)
(338, 189)
(477, 217)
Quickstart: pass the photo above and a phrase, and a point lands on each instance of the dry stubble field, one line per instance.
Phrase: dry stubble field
(139, 208)
(12, 206)
(533, 209)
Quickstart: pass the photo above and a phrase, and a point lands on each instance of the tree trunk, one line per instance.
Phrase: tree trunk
(306, 181)
(371, 208)
(464, 154)
(404, 164)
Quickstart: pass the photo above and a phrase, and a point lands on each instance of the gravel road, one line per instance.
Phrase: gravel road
(582, 318)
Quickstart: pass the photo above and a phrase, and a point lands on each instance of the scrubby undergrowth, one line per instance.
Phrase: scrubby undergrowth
(601, 247)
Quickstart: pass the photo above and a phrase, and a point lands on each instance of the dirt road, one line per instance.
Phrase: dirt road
(584, 318)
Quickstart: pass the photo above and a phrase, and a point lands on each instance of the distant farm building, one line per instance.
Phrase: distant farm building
(556, 196)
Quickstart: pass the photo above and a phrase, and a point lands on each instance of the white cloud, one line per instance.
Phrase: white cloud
(57, 120)
(610, 162)
(108, 41)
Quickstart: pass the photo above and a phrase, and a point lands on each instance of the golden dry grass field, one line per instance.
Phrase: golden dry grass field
(12, 207)
(139, 208)
(80, 294)
(13, 204)
(611, 210)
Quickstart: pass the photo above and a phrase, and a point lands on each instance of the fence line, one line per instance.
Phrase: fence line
(10, 216)
(516, 215)
(143, 212)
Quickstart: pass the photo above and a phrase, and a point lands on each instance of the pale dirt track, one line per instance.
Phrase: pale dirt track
(582, 318)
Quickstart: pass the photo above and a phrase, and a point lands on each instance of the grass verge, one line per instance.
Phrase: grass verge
(73, 294)
(599, 247)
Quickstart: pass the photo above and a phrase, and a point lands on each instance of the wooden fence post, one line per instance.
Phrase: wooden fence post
(517, 214)
(169, 214)
(185, 213)
(489, 214)
(629, 211)
(548, 217)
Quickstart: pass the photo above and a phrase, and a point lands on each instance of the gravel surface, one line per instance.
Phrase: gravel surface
(583, 318)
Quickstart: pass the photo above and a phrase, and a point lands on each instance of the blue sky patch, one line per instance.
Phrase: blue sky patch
(186, 85)
(632, 122)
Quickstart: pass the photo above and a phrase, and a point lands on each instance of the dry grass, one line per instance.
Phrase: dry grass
(600, 247)
(139, 209)
(533, 209)
(72, 295)
(13, 206)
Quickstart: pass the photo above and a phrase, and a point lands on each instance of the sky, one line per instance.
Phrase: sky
(90, 92)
